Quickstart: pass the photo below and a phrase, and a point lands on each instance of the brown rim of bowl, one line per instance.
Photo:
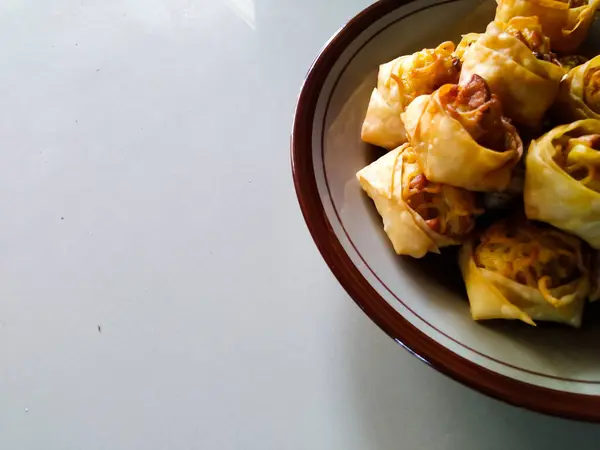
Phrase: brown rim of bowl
(548, 401)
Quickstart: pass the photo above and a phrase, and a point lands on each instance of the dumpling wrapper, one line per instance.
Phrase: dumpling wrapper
(383, 126)
(419, 73)
(571, 102)
(493, 296)
(526, 85)
(551, 195)
(566, 27)
(406, 229)
(447, 152)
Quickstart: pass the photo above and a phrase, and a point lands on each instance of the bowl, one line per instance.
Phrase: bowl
(421, 304)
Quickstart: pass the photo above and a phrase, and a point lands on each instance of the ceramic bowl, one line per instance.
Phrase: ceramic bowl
(420, 303)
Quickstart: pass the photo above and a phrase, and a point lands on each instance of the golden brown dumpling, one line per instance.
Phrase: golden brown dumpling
(566, 23)
(515, 60)
(579, 92)
(418, 216)
(518, 270)
(461, 137)
(562, 179)
(399, 82)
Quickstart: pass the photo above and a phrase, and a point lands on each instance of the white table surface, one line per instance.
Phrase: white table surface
(158, 287)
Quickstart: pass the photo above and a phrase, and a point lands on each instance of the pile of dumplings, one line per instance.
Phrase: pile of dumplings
(506, 125)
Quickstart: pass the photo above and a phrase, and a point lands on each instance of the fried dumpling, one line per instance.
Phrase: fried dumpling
(399, 82)
(518, 270)
(462, 138)
(565, 22)
(516, 61)
(562, 179)
(418, 216)
(579, 93)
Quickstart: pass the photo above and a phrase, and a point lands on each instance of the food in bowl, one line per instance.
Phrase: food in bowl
(419, 216)
(566, 22)
(455, 146)
(516, 60)
(401, 81)
(462, 138)
(562, 180)
(579, 92)
(519, 270)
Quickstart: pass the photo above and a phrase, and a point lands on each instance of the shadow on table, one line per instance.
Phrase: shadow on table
(403, 404)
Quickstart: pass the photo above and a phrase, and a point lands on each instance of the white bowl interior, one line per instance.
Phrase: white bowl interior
(431, 291)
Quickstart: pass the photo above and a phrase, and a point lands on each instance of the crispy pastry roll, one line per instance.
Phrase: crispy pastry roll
(565, 22)
(399, 82)
(562, 179)
(515, 60)
(418, 216)
(518, 270)
(579, 92)
(461, 137)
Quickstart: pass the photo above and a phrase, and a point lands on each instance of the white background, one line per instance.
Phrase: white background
(158, 287)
